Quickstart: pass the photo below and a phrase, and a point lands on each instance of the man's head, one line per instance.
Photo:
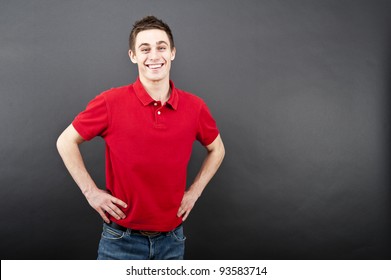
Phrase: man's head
(152, 49)
(148, 23)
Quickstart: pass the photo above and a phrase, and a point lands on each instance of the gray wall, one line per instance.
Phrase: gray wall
(300, 90)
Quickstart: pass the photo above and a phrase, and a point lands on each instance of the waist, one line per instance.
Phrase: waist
(148, 233)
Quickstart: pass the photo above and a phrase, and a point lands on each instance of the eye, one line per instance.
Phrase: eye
(162, 48)
(145, 50)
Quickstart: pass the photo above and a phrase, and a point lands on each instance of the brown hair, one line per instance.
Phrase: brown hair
(147, 23)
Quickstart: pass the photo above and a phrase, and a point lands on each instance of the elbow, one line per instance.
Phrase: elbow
(221, 147)
(222, 152)
(219, 151)
(60, 143)
(68, 139)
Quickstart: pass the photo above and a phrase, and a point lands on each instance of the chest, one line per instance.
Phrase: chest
(151, 125)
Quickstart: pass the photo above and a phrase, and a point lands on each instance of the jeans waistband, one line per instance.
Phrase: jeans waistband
(142, 232)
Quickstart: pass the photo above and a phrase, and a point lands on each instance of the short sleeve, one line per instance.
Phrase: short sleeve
(93, 121)
(207, 129)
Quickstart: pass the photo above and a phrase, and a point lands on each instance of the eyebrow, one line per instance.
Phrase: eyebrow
(157, 43)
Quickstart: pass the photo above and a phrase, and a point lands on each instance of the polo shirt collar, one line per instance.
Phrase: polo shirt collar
(146, 99)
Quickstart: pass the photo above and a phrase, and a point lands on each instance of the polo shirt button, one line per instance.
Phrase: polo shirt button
(158, 112)
(155, 104)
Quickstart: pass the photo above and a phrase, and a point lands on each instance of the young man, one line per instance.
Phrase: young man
(149, 128)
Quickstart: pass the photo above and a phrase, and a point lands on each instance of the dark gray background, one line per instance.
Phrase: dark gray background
(300, 90)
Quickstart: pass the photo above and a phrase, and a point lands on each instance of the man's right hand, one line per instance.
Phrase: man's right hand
(104, 204)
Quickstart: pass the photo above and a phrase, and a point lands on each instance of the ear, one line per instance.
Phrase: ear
(173, 53)
(132, 56)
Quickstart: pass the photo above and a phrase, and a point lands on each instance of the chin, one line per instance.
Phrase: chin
(156, 78)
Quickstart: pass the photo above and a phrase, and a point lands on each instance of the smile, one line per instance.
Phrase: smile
(155, 66)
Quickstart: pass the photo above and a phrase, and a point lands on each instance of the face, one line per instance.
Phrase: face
(153, 55)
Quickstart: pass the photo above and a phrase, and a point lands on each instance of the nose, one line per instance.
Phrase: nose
(154, 55)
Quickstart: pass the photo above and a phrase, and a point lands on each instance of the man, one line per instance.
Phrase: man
(149, 128)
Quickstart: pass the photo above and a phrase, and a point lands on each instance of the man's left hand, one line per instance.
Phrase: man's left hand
(188, 201)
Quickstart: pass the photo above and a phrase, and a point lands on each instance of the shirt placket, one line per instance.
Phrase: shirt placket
(159, 114)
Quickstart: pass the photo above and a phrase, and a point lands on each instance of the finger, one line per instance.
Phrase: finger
(184, 211)
(104, 216)
(113, 213)
(181, 211)
(185, 215)
(118, 213)
(119, 202)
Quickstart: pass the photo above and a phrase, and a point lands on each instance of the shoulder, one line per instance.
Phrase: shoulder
(189, 99)
(114, 96)
(117, 92)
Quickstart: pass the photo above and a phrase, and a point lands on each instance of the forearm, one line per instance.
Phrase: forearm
(208, 169)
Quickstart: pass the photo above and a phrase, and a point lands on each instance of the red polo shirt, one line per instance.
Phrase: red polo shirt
(148, 147)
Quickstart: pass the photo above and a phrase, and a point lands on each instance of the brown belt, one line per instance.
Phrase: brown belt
(142, 232)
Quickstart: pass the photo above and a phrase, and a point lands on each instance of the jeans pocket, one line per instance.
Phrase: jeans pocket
(111, 233)
(178, 234)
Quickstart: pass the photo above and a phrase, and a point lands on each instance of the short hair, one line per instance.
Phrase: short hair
(147, 23)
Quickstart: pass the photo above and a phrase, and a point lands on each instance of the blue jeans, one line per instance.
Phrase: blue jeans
(127, 245)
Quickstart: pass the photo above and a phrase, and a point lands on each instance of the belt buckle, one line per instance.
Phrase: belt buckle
(150, 233)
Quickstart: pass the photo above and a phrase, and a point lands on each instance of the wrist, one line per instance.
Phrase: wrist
(88, 192)
(194, 192)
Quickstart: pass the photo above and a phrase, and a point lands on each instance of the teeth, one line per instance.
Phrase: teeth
(154, 66)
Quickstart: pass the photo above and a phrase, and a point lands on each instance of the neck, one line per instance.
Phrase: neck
(158, 90)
